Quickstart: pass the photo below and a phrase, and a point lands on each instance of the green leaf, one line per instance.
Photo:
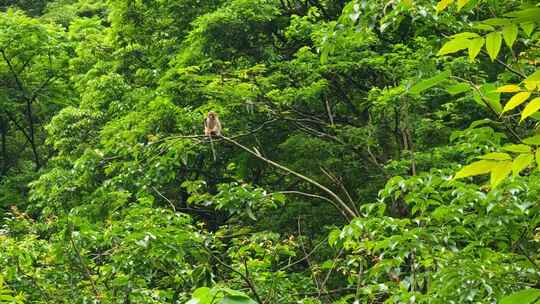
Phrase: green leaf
(465, 35)
(430, 82)
(475, 45)
(510, 88)
(534, 77)
(201, 295)
(453, 46)
(516, 100)
(443, 4)
(499, 172)
(532, 107)
(520, 148)
(496, 156)
(521, 162)
(528, 28)
(490, 96)
(534, 140)
(493, 44)
(480, 122)
(537, 154)
(476, 168)
(229, 299)
(250, 213)
(526, 296)
(458, 88)
(462, 3)
(483, 27)
(526, 15)
(496, 21)
(510, 34)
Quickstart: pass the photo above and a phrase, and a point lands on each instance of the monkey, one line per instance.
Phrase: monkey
(212, 127)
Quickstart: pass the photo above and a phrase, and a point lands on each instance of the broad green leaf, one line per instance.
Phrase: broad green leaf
(462, 3)
(480, 122)
(201, 295)
(520, 148)
(521, 162)
(531, 85)
(443, 4)
(510, 34)
(516, 100)
(475, 45)
(526, 296)
(534, 77)
(535, 116)
(528, 28)
(496, 156)
(407, 3)
(430, 82)
(532, 107)
(465, 35)
(483, 27)
(458, 88)
(490, 96)
(534, 140)
(229, 299)
(493, 44)
(235, 293)
(476, 168)
(453, 46)
(537, 154)
(496, 21)
(526, 15)
(510, 88)
(499, 172)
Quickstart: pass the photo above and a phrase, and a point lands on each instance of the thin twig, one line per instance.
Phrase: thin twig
(165, 198)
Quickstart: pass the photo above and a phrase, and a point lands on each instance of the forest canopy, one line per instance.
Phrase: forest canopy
(366, 151)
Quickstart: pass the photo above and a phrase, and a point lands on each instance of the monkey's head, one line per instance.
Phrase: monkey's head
(212, 115)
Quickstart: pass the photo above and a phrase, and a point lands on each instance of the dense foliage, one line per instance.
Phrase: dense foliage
(357, 139)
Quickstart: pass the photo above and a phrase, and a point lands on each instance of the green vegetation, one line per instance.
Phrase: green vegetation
(373, 151)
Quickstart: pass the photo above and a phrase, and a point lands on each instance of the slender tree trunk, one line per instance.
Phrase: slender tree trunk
(31, 133)
(3, 143)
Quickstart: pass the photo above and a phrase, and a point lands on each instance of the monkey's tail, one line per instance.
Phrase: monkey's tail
(213, 149)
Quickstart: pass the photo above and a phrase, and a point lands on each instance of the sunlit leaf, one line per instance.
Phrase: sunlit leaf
(499, 172)
(534, 140)
(443, 4)
(521, 162)
(465, 35)
(527, 296)
(497, 21)
(516, 100)
(520, 148)
(476, 168)
(493, 44)
(453, 46)
(510, 34)
(475, 45)
(496, 156)
(510, 88)
(534, 77)
(532, 107)
(462, 3)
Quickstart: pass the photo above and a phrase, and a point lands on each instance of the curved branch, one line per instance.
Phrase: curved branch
(255, 153)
